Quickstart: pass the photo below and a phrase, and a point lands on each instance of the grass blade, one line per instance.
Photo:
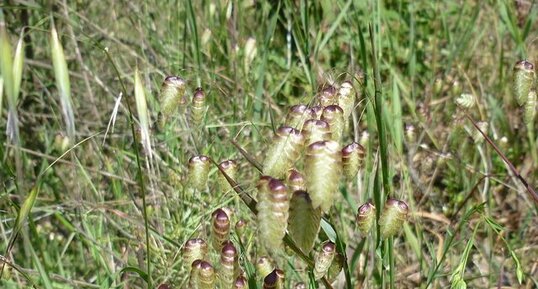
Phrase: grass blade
(142, 109)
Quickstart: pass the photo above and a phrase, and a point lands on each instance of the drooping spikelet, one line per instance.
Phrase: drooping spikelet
(327, 96)
(207, 276)
(297, 115)
(295, 181)
(392, 218)
(352, 159)
(264, 267)
(194, 276)
(304, 221)
(198, 172)
(229, 266)
(346, 99)
(365, 217)
(323, 167)
(316, 130)
(230, 168)
(284, 150)
(194, 249)
(220, 229)
(273, 211)
(530, 108)
(172, 95)
(323, 259)
(466, 101)
(198, 107)
(334, 116)
(524, 80)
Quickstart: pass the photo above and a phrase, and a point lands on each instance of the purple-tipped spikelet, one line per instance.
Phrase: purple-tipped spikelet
(240, 227)
(352, 159)
(297, 115)
(284, 150)
(273, 211)
(346, 99)
(240, 283)
(230, 168)
(316, 111)
(220, 229)
(198, 108)
(194, 249)
(172, 95)
(392, 218)
(207, 276)
(323, 259)
(323, 168)
(194, 277)
(198, 172)
(327, 96)
(295, 181)
(524, 80)
(264, 267)
(365, 217)
(229, 266)
(316, 130)
(304, 221)
(334, 116)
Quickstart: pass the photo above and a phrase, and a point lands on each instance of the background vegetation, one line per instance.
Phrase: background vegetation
(100, 198)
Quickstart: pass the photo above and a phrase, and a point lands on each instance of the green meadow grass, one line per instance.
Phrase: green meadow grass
(93, 186)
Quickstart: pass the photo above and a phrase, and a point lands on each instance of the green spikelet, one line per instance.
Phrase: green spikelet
(352, 159)
(240, 283)
(297, 115)
(264, 267)
(230, 168)
(220, 229)
(295, 181)
(316, 130)
(334, 116)
(323, 259)
(323, 167)
(316, 111)
(198, 108)
(240, 227)
(365, 217)
(524, 79)
(410, 134)
(207, 276)
(194, 249)
(530, 108)
(273, 211)
(476, 135)
(336, 267)
(304, 221)
(194, 276)
(327, 96)
(465, 101)
(198, 172)
(456, 88)
(284, 150)
(392, 218)
(171, 95)
(346, 99)
(229, 266)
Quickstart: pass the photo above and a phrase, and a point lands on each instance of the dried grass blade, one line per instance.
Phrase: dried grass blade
(142, 110)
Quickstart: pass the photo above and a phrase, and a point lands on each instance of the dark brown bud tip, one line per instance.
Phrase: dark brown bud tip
(366, 208)
(286, 131)
(240, 282)
(228, 248)
(524, 65)
(199, 94)
(350, 148)
(220, 215)
(174, 80)
(271, 279)
(227, 164)
(329, 90)
(195, 242)
(332, 109)
(276, 185)
(198, 159)
(206, 266)
(295, 176)
(329, 247)
(400, 205)
(298, 109)
(197, 264)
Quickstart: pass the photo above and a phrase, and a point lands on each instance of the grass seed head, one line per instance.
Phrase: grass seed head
(323, 167)
(297, 115)
(194, 277)
(530, 108)
(172, 95)
(316, 110)
(300, 285)
(334, 116)
(524, 80)
(352, 159)
(194, 249)
(264, 266)
(230, 168)
(346, 99)
(240, 283)
(229, 266)
(323, 259)
(316, 130)
(283, 151)
(365, 217)
(304, 221)
(207, 276)
(466, 101)
(220, 229)
(295, 181)
(273, 211)
(198, 172)
(392, 218)
(328, 96)
(198, 107)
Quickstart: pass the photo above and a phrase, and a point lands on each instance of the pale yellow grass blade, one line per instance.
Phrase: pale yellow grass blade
(142, 110)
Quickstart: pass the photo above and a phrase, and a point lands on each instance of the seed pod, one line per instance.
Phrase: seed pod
(476, 135)
(240, 283)
(240, 227)
(194, 277)
(194, 249)
(297, 115)
(198, 107)
(530, 108)
(229, 266)
(283, 151)
(465, 101)
(336, 267)
(316, 110)
(295, 181)
(220, 229)
(198, 172)
(346, 99)
(273, 206)
(264, 266)
(352, 159)
(392, 218)
(365, 217)
(524, 79)
(172, 95)
(230, 168)
(304, 221)
(206, 276)
(323, 167)
(316, 130)
(410, 134)
(334, 116)
(323, 259)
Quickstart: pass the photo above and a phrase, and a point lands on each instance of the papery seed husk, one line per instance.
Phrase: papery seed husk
(284, 150)
(466, 101)
(194, 277)
(295, 181)
(365, 217)
(207, 276)
(198, 107)
(229, 269)
(530, 108)
(220, 230)
(327, 96)
(346, 99)
(304, 221)
(323, 168)
(194, 249)
(476, 135)
(297, 115)
(392, 218)
(198, 172)
(323, 259)
(336, 267)
(315, 130)
(172, 95)
(230, 168)
(273, 211)
(264, 266)
(334, 116)
(352, 159)
(524, 80)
